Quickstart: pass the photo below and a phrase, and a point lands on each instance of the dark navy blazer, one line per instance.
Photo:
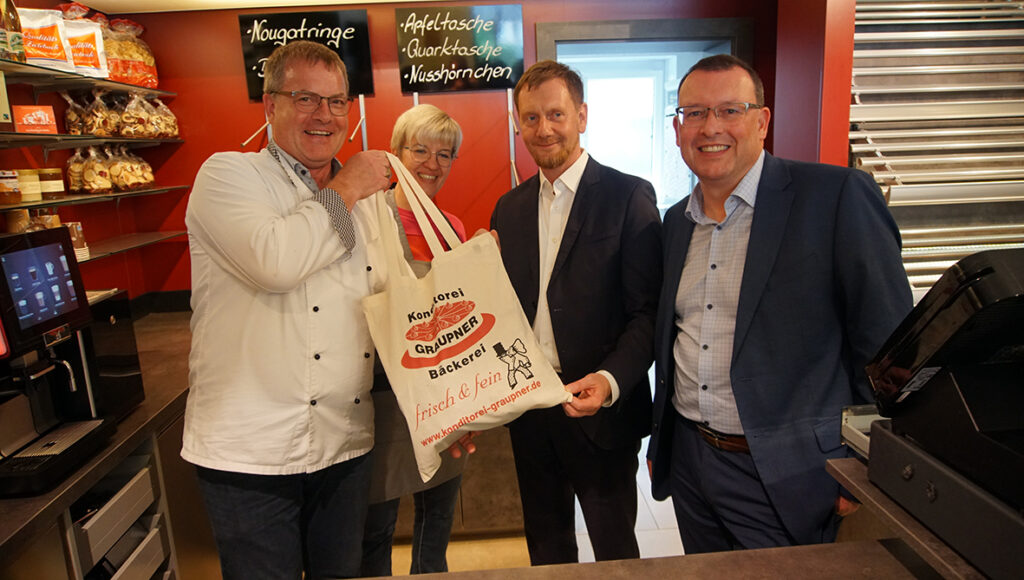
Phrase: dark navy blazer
(603, 290)
(823, 287)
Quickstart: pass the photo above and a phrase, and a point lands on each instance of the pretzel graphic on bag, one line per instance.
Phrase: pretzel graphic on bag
(452, 329)
(445, 316)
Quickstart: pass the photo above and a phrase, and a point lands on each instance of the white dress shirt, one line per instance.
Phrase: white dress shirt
(553, 206)
(282, 362)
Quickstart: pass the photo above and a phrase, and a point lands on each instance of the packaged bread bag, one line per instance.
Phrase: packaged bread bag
(86, 40)
(129, 58)
(45, 39)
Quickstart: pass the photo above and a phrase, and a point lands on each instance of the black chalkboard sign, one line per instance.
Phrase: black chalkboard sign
(344, 31)
(459, 48)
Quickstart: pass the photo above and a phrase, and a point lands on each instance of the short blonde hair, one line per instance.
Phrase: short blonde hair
(425, 123)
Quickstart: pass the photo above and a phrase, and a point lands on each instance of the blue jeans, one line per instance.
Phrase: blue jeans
(432, 527)
(277, 526)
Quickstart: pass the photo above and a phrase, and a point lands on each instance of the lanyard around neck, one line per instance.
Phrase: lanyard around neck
(277, 157)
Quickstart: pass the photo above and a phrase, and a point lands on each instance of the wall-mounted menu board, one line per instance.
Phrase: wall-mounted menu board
(344, 31)
(459, 48)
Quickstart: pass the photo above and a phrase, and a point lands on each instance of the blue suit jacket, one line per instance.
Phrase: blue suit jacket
(603, 289)
(823, 287)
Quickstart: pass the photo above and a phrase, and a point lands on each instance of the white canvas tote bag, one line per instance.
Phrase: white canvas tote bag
(456, 346)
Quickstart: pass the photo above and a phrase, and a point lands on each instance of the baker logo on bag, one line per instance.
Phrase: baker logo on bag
(517, 361)
(441, 339)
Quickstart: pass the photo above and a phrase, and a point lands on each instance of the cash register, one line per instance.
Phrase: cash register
(43, 306)
(950, 380)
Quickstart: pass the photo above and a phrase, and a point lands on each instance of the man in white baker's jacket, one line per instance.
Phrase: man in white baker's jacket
(279, 417)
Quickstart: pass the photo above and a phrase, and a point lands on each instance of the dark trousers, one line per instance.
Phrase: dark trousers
(432, 527)
(277, 526)
(719, 500)
(555, 462)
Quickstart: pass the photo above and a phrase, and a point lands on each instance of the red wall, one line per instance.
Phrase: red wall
(835, 87)
(199, 58)
(811, 118)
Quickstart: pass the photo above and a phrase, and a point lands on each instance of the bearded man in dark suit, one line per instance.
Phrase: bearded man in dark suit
(581, 243)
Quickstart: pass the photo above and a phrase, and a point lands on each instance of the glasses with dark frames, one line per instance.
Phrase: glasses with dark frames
(695, 115)
(308, 101)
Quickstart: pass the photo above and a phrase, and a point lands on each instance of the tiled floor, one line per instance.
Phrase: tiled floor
(656, 530)
(656, 533)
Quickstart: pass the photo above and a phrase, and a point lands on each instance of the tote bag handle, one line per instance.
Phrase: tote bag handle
(422, 205)
(391, 239)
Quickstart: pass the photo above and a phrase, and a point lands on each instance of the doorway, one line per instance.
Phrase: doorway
(630, 90)
(631, 72)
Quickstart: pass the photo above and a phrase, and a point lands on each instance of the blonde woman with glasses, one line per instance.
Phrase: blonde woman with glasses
(426, 140)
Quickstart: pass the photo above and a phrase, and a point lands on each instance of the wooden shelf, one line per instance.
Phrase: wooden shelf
(123, 243)
(79, 199)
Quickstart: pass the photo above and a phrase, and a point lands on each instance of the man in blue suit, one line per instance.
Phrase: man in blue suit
(781, 280)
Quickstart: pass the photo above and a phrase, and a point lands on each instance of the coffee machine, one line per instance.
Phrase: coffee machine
(44, 308)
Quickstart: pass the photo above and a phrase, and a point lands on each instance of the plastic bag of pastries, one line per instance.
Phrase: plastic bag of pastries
(74, 115)
(165, 120)
(74, 10)
(115, 169)
(137, 118)
(100, 119)
(117, 66)
(128, 172)
(74, 171)
(141, 167)
(95, 173)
